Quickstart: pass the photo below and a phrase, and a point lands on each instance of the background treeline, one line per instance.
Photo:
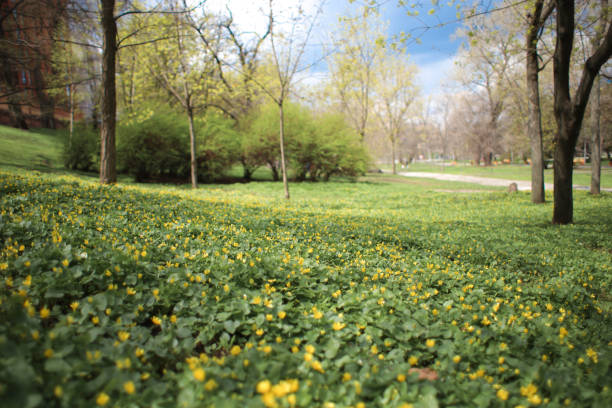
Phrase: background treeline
(187, 74)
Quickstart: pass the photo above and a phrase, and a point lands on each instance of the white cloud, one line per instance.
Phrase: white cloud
(253, 15)
(433, 74)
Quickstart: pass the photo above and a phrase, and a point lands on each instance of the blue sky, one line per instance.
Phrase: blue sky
(436, 51)
(434, 55)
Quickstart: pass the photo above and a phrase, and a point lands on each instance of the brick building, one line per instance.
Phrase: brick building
(26, 44)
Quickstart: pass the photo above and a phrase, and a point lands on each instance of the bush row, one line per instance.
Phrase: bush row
(154, 146)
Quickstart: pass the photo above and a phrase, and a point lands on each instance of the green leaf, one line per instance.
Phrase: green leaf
(57, 365)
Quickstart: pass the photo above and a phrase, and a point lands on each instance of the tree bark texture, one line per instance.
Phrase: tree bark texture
(534, 119)
(282, 148)
(71, 126)
(570, 113)
(596, 139)
(108, 154)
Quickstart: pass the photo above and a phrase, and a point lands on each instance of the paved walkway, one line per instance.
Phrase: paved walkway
(487, 181)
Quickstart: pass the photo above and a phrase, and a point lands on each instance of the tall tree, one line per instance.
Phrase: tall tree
(536, 18)
(395, 92)
(596, 107)
(111, 45)
(358, 50)
(485, 60)
(569, 111)
(108, 152)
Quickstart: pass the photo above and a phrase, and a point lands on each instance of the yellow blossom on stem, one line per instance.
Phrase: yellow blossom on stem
(263, 386)
(502, 394)
(199, 374)
(129, 387)
(102, 399)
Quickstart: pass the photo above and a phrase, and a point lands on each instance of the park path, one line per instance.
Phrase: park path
(486, 181)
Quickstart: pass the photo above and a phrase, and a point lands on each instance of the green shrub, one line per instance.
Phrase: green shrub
(218, 145)
(82, 151)
(155, 147)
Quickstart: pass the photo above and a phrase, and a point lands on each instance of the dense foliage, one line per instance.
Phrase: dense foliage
(153, 145)
(317, 146)
(352, 293)
(82, 150)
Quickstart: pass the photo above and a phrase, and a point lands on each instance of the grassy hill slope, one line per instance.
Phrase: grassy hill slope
(37, 149)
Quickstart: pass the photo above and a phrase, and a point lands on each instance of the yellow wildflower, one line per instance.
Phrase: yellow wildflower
(338, 325)
(263, 386)
(502, 394)
(199, 374)
(102, 399)
(129, 387)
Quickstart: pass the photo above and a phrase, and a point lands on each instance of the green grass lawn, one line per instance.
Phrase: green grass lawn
(375, 293)
(40, 149)
(582, 175)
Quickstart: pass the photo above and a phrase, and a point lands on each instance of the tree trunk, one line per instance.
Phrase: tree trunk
(596, 140)
(71, 128)
(46, 104)
(192, 148)
(274, 169)
(563, 211)
(247, 172)
(534, 119)
(570, 113)
(282, 149)
(393, 155)
(108, 154)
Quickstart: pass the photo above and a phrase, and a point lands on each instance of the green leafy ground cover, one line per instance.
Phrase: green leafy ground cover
(581, 176)
(133, 296)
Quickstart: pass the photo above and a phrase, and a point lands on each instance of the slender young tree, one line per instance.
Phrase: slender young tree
(185, 75)
(536, 17)
(287, 52)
